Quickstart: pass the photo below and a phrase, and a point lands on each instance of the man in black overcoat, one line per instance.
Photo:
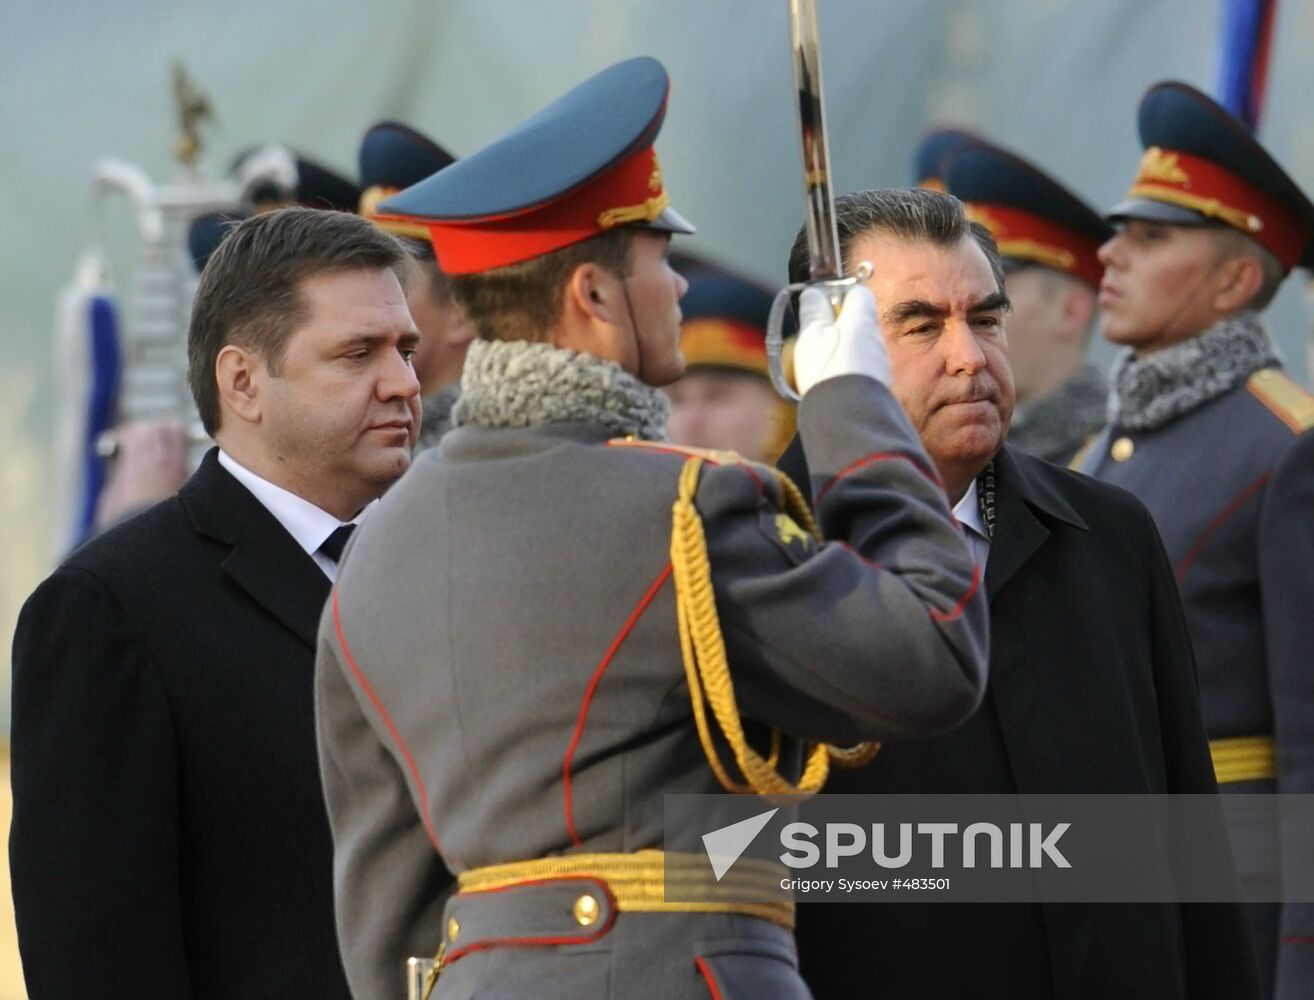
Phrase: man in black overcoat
(169, 836)
(1092, 685)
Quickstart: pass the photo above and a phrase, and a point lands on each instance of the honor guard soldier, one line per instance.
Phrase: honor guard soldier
(1049, 240)
(517, 663)
(725, 398)
(1214, 437)
(394, 156)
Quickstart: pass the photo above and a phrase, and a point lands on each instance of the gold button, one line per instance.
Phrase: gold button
(1122, 449)
(453, 929)
(587, 910)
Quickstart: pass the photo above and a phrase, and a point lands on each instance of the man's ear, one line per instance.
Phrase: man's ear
(236, 371)
(596, 293)
(1239, 280)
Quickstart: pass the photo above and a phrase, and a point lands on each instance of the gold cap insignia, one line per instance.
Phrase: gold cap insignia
(1163, 167)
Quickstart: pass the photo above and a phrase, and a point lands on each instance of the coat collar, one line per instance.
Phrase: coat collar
(1027, 504)
(264, 561)
(1025, 501)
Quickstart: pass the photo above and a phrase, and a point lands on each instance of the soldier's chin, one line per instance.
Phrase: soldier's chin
(665, 372)
(1117, 330)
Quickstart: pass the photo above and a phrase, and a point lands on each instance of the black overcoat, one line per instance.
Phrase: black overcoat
(169, 837)
(1092, 690)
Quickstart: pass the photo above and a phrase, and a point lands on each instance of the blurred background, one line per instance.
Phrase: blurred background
(1057, 80)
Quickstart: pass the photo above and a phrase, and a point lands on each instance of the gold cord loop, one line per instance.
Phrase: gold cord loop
(707, 669)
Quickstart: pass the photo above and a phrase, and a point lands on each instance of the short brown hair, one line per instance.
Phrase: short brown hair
(523, 301)
(914, 215)
(250, 290)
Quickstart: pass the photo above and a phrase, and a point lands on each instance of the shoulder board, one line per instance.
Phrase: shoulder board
(1289, 402)
(713, 455)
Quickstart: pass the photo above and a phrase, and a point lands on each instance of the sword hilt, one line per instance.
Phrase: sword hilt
(834, 288)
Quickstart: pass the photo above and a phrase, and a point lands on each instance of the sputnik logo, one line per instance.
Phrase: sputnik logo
(724, 846)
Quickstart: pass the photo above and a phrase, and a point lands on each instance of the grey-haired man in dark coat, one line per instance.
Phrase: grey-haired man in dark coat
(1092, 688)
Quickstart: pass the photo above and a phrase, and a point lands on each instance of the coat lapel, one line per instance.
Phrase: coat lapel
(264, 561)
(1018, 534)
(1019, 531)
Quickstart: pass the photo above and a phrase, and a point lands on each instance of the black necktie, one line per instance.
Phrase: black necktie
(336, 542)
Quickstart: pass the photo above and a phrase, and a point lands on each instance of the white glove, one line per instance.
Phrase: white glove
(830, 346)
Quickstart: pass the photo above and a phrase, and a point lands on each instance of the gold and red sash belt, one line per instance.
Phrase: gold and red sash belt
(640, 883)
(1244, 758)
(601, 886)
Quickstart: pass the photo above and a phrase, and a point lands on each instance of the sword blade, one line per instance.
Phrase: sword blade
(823, 238)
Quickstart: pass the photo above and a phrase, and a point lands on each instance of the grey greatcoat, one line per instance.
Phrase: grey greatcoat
(499, 678)
(1231, 487)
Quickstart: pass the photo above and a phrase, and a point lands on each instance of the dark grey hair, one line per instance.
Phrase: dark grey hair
(914, 215)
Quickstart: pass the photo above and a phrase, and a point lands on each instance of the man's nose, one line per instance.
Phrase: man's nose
(681, 284)
(398, 379)
(962, 352)
(1110, 250)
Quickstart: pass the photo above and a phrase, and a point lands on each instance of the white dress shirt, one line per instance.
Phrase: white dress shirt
(306, 523)
(967, 511)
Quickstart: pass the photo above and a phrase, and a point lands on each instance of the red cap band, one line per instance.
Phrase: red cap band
(1203, 186)
(631, 191)
(1027, 236)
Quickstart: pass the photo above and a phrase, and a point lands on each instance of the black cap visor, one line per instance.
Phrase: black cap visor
(670, 221)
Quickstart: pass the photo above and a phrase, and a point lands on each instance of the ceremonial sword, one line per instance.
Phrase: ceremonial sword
(825, 265)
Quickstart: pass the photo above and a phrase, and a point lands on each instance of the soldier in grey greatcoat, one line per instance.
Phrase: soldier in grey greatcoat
(1214, 438)
(559, 617)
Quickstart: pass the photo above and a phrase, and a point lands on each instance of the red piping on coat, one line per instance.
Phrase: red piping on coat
(541, 941)
(710, 979)
(607, 657)
(1194, 553)
(420, 791)
(948, 616)
(880, 456)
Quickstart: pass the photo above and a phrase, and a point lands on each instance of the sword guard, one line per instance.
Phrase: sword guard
(835, 289)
